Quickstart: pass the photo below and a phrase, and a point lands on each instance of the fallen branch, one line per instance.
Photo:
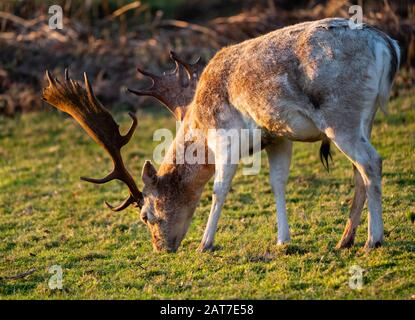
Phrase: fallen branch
(15, 19)
(20, 275)
(212, 34)
(118, 13)
(187, 25)
(124, 9)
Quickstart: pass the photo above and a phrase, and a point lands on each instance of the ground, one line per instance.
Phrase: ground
(49, 217)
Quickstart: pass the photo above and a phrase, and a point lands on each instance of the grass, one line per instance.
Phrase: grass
(49, 217)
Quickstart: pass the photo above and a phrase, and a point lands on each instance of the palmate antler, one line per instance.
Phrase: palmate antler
(174, 89)
(193, 69)
(85, 108)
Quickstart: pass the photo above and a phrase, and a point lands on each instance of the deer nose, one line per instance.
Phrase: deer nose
(174, 244)
(168, 249)
(171, 250)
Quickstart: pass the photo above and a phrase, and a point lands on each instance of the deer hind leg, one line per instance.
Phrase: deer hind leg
(359, 199)
(279, 158)
(369, 164)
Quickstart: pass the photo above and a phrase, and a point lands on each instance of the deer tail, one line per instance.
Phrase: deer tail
(325, 153)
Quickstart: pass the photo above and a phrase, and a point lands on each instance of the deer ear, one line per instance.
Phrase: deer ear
(149, 174)
(179, 113)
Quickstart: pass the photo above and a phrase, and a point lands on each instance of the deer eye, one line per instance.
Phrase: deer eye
(144, 216)
(148, 216)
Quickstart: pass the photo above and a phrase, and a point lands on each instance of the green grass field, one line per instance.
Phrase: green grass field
(49, 217)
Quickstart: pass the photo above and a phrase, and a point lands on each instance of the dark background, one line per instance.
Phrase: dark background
(109, 38)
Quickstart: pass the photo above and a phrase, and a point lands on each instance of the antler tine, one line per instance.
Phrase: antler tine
(88, 88)
(146, 92)
(159, 83)
(176, 67)
(85, 108)
(154, 89)
(149, 91)
(111, 176)
(148, 74)
(191, 68)
(127, 137)
(126, 203)
(51, 80)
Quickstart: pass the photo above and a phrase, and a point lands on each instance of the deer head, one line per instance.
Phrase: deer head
(170, 195)
(163, 209)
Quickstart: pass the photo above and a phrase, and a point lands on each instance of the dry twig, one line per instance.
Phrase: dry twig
(20, 275)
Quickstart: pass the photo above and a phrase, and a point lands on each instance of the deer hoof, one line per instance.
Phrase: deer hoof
(283, 241)
(205, 247)
(345, 243)
(370, 245)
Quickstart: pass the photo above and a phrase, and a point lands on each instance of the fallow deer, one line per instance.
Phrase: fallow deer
(312, 81)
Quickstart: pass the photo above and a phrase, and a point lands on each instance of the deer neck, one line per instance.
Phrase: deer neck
(191, 175)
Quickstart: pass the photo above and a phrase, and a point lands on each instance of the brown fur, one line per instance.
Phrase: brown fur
(294, 83)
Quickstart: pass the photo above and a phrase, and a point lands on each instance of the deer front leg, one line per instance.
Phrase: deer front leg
(224, 172)
(279, 158)
(221, 186)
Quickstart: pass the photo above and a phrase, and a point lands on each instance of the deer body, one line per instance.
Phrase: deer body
(308, 82)
(313, 81)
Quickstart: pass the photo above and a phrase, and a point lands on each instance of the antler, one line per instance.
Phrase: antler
(193, 69)
(171, 88)
(160, 86)
(85, 108)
